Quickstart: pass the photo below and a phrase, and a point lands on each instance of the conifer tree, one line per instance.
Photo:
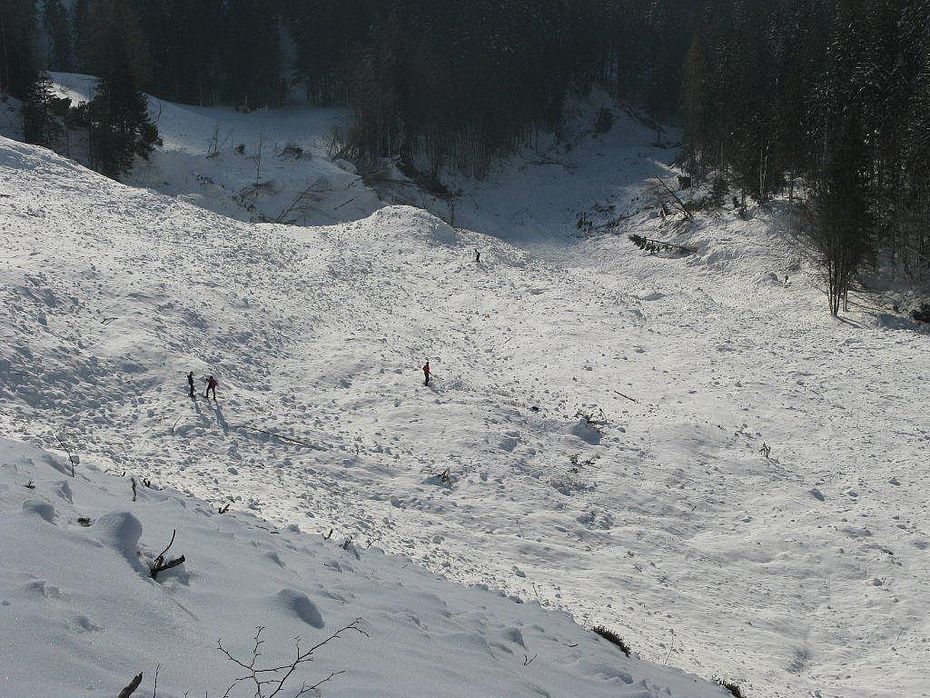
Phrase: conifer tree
(39, 124)
(18, 65)
(118, 123)
(58, 27)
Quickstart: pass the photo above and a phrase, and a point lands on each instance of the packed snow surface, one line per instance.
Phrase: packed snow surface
(601, 412)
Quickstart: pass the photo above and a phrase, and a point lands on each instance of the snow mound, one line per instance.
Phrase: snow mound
(418, 227)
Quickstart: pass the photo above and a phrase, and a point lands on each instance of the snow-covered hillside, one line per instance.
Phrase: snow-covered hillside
(802, 573)
(269, 165)
(81, 615)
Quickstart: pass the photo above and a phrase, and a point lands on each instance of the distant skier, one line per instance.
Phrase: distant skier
(426, 373)
(211, 385)
(477, 256)
(190, 382)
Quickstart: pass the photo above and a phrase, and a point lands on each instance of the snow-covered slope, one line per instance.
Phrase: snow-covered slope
(270, 165)
(80, 615)
(793, 574)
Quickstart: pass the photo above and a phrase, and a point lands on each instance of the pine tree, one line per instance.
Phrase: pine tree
(18, 65)
(842, 218)
(119, 127)
(58, 26)
(252, 55)
(39, 124)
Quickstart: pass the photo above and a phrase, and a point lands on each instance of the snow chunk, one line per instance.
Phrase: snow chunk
(584, 431)
(121, 531)
(43, 510)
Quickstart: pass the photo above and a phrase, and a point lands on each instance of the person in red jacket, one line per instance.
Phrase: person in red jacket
(211, 385)
(426, 373)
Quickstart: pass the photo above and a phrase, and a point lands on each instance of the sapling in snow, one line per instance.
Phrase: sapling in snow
(268, 682)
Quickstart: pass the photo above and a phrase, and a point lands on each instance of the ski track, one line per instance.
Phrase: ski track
(673, 529)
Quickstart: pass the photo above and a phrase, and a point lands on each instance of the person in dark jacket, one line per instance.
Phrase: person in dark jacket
(211, 385)
(190, 382)
(426, 373)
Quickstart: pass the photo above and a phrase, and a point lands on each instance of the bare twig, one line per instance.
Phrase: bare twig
(270, 682)
(345, 203)
(678, 203)
(626, 396)
(74, 459)
(297, 201)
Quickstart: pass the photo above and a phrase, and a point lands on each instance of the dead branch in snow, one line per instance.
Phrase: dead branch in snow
(650, 245)
(159, 565)
(279, 436)
(131, 688)
(627, 397)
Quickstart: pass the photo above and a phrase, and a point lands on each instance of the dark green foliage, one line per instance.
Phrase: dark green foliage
(186, 44)
(119, 128)
(719, 190)
(830, 96)
(57, 24)
(453, 85)
(251, 55)
(766, 90)
(612, 638)
(604, 121)
(18, 65)
(113, 43)
(40, 125)
(441, 85)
